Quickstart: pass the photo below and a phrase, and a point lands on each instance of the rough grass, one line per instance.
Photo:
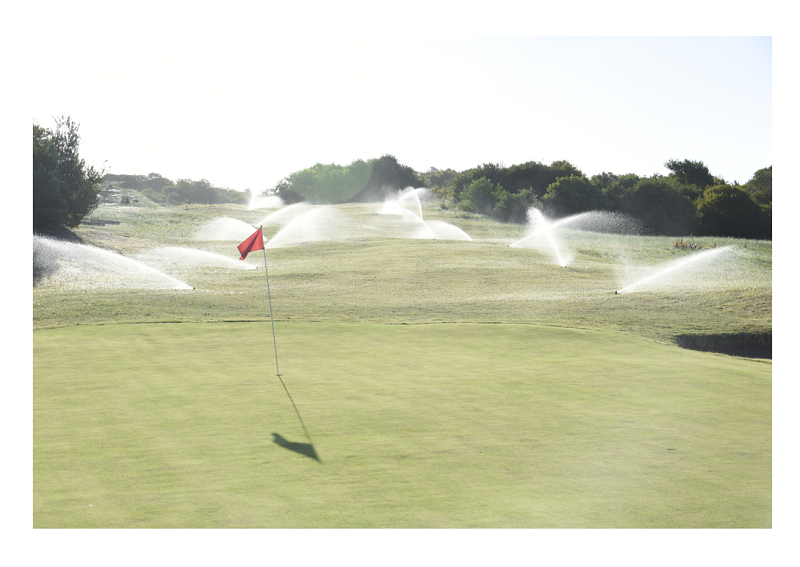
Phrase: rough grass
(423, 281)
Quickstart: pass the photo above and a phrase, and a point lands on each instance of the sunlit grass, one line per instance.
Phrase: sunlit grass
(415, 426)
(441, 383)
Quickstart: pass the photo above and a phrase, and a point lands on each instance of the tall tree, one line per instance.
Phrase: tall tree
(760, 186)
(49, 205)
(64, 189)
(690, 172)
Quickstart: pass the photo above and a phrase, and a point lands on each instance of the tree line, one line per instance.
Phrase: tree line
(165, 191)
(687, 201)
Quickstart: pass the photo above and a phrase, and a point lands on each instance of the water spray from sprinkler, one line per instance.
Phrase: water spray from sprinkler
(666, 274)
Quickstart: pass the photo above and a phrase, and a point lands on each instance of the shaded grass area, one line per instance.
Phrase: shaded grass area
(752, 345)
(439, 425)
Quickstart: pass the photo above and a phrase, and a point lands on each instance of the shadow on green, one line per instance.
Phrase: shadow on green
(306, 449)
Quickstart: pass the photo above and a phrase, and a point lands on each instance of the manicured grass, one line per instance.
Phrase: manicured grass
(441, 384)
(438, 425)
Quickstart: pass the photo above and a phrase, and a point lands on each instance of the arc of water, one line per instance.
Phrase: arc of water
(542, 224)
(223, 228)
(192, 256)
(693, 259)
(433, 234)
(103, 261)
(391, 206)
(552, 240)
(446, 231)
(571, 219)
(545, 227)
(268, 202)
(413, 195)
(286, 214)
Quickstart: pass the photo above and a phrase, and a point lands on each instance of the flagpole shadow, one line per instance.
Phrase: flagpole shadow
(306, 449)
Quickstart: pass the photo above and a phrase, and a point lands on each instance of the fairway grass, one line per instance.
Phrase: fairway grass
(415, 426)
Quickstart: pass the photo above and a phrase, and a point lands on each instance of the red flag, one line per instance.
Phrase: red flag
(253, 242)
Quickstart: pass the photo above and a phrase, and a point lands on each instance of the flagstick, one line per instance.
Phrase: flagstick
(257, 239)
(275, 344)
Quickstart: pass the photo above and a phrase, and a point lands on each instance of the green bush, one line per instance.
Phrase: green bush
(658, 203)
(478, 195)
(371, 180)
(616, 187)
(513, 207)
(574, 194)
(729, 211)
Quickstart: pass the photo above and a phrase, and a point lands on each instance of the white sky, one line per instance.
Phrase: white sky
(244, 112)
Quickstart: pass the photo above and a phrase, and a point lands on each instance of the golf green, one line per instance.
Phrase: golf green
(394, 426)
